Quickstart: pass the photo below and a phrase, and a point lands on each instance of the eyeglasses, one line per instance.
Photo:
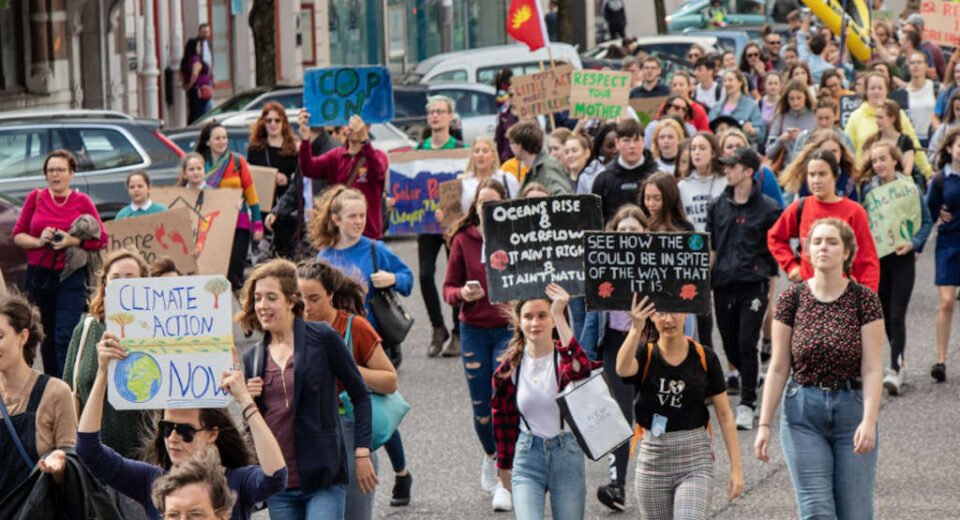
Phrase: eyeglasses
(693, 55)
(185, 431)
(753, 54)
(270, 120)
(57, 170)
(437, 111)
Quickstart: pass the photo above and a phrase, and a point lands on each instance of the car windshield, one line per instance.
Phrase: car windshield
(234, 104)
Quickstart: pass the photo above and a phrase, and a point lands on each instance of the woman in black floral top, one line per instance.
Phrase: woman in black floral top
(829, 332)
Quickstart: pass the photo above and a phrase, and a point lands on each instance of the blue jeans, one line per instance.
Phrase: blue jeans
(323, 504)
(394, 449)
(555, 465)
(816, 432)
(357, 505)
(480, 349)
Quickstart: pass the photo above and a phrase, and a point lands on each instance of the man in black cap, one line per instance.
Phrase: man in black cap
(742, 266)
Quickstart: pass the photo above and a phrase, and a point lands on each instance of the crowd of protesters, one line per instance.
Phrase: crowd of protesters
(747, 148)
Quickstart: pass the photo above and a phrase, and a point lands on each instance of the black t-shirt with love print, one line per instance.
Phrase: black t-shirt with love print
(676, 392)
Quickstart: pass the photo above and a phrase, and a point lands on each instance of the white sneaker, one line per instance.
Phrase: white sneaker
(744, 417)
(489, 476)
(892, 382)
(502, 499)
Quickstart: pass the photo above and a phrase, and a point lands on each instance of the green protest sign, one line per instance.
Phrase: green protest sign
(894, 213)
(599, 94)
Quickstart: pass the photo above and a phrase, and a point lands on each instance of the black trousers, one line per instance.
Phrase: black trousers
(285, 238)
(428, 247)
(897, 275)
(238, 258)
(705, 329)
(740, 311)
(623, 392)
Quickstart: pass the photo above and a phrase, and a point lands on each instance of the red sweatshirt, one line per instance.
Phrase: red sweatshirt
(39, 212)
(335, 166)
(465, 264)
(866, 265)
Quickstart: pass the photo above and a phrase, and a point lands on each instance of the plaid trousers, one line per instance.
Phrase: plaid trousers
(674, 472)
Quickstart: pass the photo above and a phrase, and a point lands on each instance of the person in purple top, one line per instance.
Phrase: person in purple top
(177, 437)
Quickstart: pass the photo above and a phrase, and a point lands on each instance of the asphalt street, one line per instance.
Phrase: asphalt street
(919, 460)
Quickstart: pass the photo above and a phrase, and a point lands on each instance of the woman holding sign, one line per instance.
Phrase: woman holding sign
(292, 374)
(176, 436)
(226, 169)
(898, 266)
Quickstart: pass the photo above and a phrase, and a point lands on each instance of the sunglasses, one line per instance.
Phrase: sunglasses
(753, 54)
(272, 120)
(774, 42)
(185, 431)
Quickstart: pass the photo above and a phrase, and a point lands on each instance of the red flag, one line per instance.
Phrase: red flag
(525, 23)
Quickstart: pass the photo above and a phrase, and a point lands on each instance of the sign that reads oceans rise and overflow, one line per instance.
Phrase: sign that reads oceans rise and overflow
(178, 335)
(530, 243)
(673, 269)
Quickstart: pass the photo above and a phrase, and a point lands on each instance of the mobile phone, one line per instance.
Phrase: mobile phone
(473, 284)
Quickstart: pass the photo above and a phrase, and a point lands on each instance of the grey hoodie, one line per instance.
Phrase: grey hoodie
(696, 192)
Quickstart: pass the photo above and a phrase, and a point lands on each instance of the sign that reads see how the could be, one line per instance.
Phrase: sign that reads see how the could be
(541, 92)
(673, 269)
(599, 94)
(530, 243)
(178, 334)
(415, 179)
(333, 95)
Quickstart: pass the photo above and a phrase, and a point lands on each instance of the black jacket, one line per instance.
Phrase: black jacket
(320, 358)
(290, 204)
(81, 496)
(617, 185)
(740, 237)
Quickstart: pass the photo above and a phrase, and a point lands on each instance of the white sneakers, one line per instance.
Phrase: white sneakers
(502, 499)
(744, 417)
(893, 381)
(489, 476)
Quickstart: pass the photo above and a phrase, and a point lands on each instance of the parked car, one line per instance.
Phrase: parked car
(13, 261)
(482, 64)
(108, 146)
(736, 40)
(290, 96)
(673, 45)
(186, 138)
(738, 12)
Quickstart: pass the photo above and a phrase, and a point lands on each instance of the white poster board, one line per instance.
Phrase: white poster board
(179, 338)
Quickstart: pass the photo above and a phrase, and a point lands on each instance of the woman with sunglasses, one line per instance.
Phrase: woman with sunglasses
(683, 84)
(178, 436)
(675, 107)
(274, 144)
(753, 68)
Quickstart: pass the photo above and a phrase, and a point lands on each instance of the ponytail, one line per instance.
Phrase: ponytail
(322, 230)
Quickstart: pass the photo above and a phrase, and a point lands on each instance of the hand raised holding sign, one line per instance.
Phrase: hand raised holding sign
(303, 122)
(108, 349)
(357, 130)
(234, 384)
(559, 298)
(641, 312)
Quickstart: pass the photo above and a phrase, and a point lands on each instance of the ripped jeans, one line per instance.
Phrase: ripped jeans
(481, 348)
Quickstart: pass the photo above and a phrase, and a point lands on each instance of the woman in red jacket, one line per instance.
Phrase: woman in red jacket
(822, 172)
(484, 328)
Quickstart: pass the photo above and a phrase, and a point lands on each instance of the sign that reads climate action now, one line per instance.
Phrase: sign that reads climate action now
(599, 94)
(530, 243)
(673, 269)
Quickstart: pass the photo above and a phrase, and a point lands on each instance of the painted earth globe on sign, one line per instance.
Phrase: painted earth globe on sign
(137, 377)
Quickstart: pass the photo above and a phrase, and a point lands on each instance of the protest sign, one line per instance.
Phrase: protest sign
(530, 243)
(213, 216)
(672, 269)
(894, 213)
(168, 233)
(449, 201)
(415, 179)
(265, 181)
(847, 105)
(599, 94)
(178, 334)
(334, 94)
(541, 93)
(647, 108)
(941, 22)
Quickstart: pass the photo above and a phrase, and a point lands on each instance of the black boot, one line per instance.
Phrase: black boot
(612, 495)
(401, 490)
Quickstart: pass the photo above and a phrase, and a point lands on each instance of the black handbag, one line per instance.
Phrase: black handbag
(394, 322)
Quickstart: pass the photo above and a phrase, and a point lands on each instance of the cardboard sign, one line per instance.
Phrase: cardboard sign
(450, 194)
(599, 94)
(673, 269)
(415, 179)
(895, 214)
(941, 22)
(647, 108)
(213, 218)
(541, 93)
(333, 95)
(178, 334)
(847, 105)
(169, 233)
(530, 243)
(265, 182)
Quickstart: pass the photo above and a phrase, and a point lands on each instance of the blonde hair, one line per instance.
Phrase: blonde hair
(321, 229)
(96, 305)
(470, 168)
(184, 161)
(795, 174)
(667, 123)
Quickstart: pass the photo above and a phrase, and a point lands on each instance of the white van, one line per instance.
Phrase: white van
(481, 65)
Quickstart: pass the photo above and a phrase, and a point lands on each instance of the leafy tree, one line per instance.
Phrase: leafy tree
(216, 287)
(122, 319)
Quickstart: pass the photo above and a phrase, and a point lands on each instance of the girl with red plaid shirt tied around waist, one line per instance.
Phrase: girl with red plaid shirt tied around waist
(532, 439)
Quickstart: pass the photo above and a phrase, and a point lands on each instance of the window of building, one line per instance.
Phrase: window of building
(221, 25)
(12, 50)
(308, 31)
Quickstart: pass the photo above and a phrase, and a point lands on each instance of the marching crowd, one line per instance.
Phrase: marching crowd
(751, 152)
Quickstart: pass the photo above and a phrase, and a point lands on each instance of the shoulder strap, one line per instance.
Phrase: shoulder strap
(348, 335)
(702, 354)
(13, 433)
(76, 363)
(858, 294)
(646, 364)
(800, 213)
(373, 254)
(37, 393)
(356, 170)
(796, 301)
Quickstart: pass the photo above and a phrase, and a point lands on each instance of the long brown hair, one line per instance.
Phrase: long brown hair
(96, 304)
(23, 315)
(285, 272)
(514, 350)
(672, 216)
(258, 134)
(795, 174)
(321, 229)
(346, 292)
(232, 447)
(472, 216)
(795, 85)
(715, 168)
(627, 211)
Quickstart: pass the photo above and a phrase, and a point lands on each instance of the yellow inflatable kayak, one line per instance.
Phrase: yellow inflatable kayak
(858, 23)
